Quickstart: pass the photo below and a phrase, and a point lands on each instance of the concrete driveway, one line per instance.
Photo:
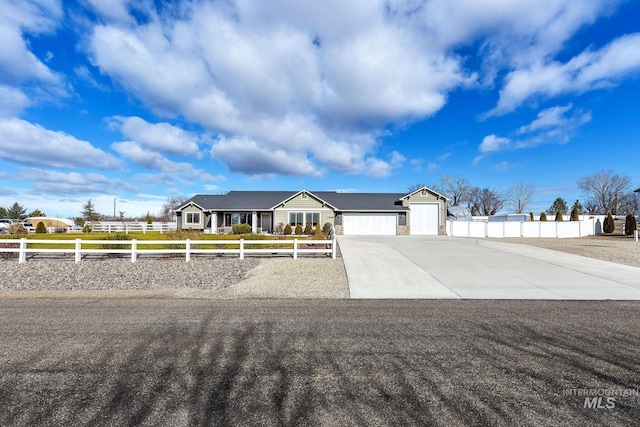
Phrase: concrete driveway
(450, 267)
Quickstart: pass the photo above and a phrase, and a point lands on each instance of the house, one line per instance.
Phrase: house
(637, 199)
(421, 212)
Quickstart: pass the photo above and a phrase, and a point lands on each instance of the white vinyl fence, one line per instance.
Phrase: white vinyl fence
(120, 226)
(481, 229)
(134, 248)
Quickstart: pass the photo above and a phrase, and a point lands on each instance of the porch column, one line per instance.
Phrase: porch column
(254, 222)
(214, 223)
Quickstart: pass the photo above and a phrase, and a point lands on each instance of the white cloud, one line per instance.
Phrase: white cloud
(55, 182)
(282, 83)
(32, 144)
(13, 101)
(162, 137)
(553, 125)
(492, 143)
(585, 72)
(249, 157)
(170, 171)
(17, 63)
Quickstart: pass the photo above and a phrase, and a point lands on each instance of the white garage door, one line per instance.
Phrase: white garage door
(424, 219)
(371, 224)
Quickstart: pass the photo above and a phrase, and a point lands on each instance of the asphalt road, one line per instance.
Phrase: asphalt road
(303, 362)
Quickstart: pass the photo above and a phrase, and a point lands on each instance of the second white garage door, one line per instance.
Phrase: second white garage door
(424, 219)
(371, 224)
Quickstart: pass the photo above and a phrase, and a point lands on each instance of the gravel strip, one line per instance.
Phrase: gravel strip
(121, 274)
(614, 248)
(204, 277)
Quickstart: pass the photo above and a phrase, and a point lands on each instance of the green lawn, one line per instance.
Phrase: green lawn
(121, 237)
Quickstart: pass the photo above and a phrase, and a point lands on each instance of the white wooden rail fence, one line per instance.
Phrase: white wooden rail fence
(191, 247)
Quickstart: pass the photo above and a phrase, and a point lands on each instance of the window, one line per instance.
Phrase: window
(237, 218)
(193, 218)
(295, 218)
(313, 218)
(304, 218)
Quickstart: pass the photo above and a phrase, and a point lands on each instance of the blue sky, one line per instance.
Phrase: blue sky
(139, 101)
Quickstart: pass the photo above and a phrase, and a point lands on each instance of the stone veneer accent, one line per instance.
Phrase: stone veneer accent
(339, 230)
(403, 230)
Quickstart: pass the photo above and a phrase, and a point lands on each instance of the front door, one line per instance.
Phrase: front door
(265, 221)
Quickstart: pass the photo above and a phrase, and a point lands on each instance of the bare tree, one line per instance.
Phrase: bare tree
(171, 204)
(455, 187)
(415, 187)
(484, 201)
(607, 189)
(519, 196)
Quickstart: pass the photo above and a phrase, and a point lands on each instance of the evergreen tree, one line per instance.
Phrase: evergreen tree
(576, 209)
(40, 228)
(559, 205)
(89, 212)
(609, 225)
(543, 216)
(559, 217)
(16, 211)
(531, 217)
(630, 224)
(37, 213)
(3, 212)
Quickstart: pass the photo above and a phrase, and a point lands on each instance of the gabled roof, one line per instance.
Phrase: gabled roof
(240, 200)
(637, 191)
(435, 193)
(314, 195)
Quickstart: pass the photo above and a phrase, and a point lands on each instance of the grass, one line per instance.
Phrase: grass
(176, 235)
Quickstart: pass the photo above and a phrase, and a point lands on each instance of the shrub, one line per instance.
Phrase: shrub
(318, 234)
(531, 217)
(181, 234)
(241, 228)
(630, 224)
(86, 229)
(543, 216)
(280, 228)
(308, 229)
(9, 255)
(559, 217)
(609, 225)
(326, 229)
(287, 229)
(40, 228)
(298, 229)
(115, 245)
(575, 213)
(17, 228)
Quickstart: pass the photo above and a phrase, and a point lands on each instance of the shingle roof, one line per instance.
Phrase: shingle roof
(266, 200)
(241, 200)
(363, 202)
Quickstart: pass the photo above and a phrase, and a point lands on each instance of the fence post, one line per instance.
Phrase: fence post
(333, 248)
(295, 248)
(188, 250)
(22, 255)
(144, 228)
(78, 252)
(134, 246)
(241, 248)
(635, 236)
